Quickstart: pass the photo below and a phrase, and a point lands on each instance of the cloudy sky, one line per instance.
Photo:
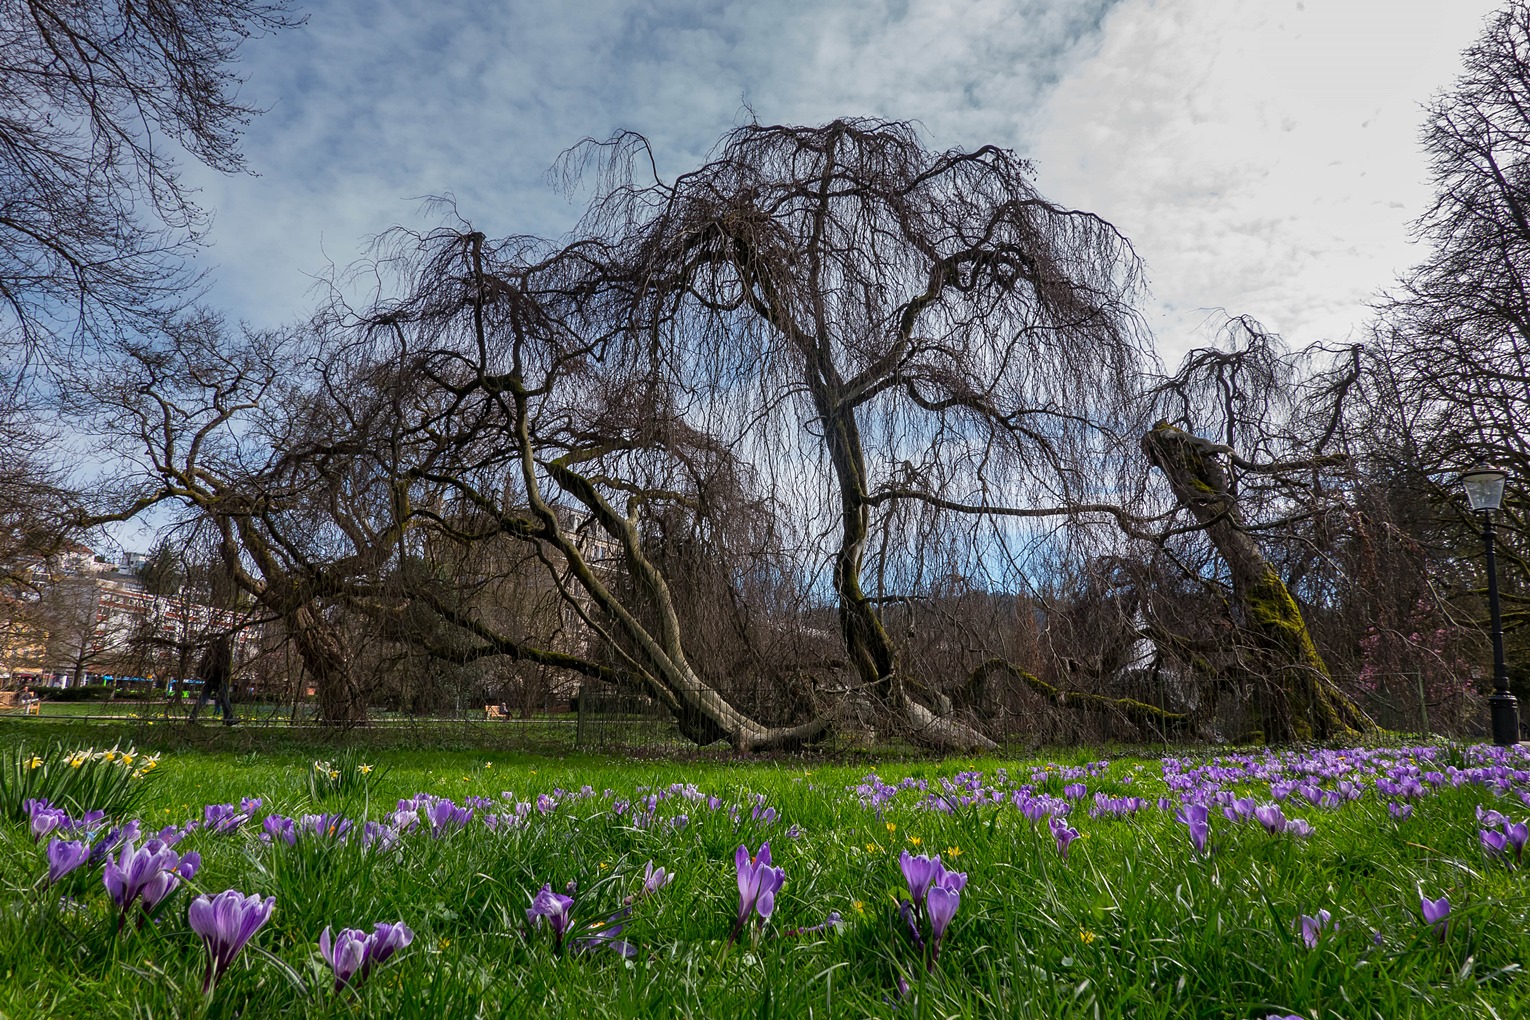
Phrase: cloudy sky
(1261, 154)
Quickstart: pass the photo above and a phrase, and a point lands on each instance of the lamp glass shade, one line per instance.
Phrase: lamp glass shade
(1484, 487)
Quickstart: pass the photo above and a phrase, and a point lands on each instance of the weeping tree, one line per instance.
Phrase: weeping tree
(820, 358)
(1268, 480)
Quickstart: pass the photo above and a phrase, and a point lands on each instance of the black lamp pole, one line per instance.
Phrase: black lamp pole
(1504, 706)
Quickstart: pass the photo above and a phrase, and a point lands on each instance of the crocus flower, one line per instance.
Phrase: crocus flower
(1436, 912)
(942, 904)
(1400, 812)
(655, 879)
(1064, 834)
(1271, 817)
(344, 953)
(1493, 842)
(758, 884)
(64, 856)
(554, 908)
(1515, 835)
(150, 873)
(920, 873)
(1312, 927)
(1194, 817)
(226, 922)
(353, 954)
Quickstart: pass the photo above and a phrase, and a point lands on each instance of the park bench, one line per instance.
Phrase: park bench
(12, 700)
(494, 712)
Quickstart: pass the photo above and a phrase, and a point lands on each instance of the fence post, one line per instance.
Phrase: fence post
(1423, 703)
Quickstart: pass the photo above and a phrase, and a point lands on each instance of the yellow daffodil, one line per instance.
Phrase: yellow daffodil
(365, 770)
(334, 773)
(34, 762)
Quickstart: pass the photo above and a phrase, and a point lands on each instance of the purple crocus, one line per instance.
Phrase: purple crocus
(942, 905)
(758, 884)
(353, 954)
(1437, 913)
(1271, 817)
(225, 923)
(1399, 812)
(920, 873)
(1515, 835)
(149, 873)
(1064, 834)
(1195, 818)
(554, 908)
(64, 856)
(1312, 927)
(655, 879)
(344, 953)
(1492, 841)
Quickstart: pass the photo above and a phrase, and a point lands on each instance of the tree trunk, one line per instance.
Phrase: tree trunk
(324, 654)
(1300, 700)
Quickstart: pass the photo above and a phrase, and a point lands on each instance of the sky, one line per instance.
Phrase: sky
(1262, 155)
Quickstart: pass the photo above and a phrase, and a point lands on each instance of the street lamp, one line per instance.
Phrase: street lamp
(1484, 488)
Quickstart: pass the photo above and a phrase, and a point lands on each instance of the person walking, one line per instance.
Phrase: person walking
(217, 672)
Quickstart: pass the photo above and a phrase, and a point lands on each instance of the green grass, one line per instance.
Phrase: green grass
(1132, 923)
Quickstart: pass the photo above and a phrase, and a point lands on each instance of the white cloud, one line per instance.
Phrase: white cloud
(1263, 156)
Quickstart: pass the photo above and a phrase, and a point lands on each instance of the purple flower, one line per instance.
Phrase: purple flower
(1195, 818)
(223, 818)
(1271, 817)
(1493, 842)
(1515, 835)
(64, 856)
(554, 908)
(1312, 927)
(344, 953)
(44, 818)
(1401, 812)
(355, 954)
(150, 873)
(920, 873)
(942, 904)
(226, 922)
(758, 884)
(1436, 912)
(1064, 834)
(655, 879)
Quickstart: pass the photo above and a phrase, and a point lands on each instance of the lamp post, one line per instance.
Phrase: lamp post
(1484, 488)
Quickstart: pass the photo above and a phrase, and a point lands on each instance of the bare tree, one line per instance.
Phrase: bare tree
(95, 99)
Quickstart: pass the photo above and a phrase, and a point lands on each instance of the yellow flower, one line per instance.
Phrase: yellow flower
(953, 851)
(77, 759)
(443, 944)
(127, 759)
(891, 827)
(34, 762)
(364, 769)
(108, 755)
(488, 764)
(860, 906)
(871, 848)
(915, 840)
(604, 865)
(1086, 936)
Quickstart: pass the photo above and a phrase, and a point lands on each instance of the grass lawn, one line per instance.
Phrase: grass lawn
(1131, 921)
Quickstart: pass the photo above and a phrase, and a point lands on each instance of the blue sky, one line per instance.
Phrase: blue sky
(1262, 154)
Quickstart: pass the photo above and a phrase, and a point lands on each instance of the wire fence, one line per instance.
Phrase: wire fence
(601, 719)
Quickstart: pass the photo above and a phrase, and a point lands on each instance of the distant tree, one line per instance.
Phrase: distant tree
(162, 572)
